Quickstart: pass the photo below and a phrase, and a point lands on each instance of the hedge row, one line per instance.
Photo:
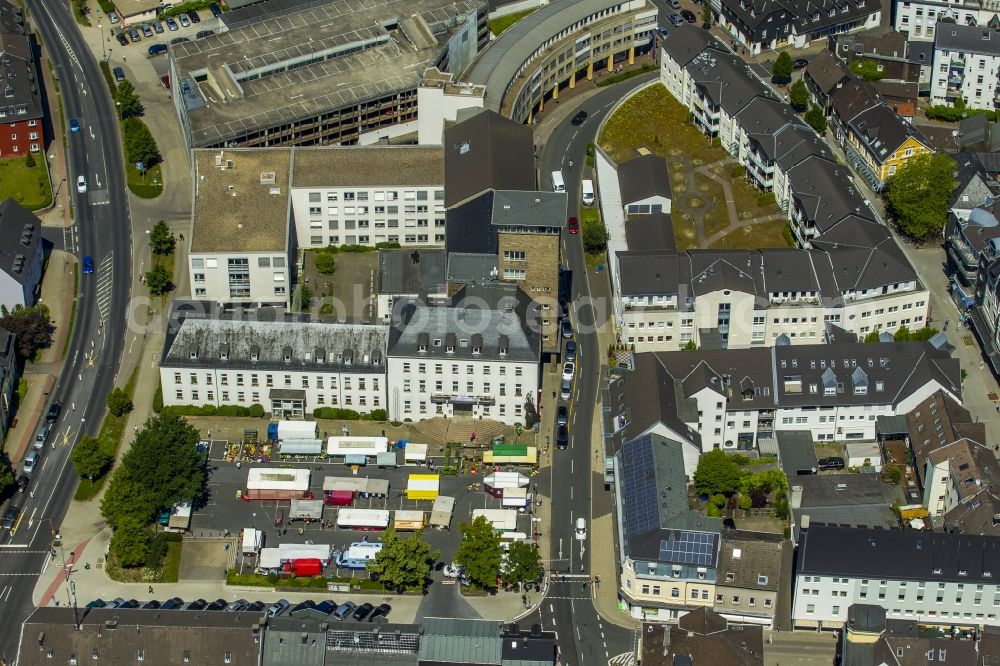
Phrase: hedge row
(340, 414)
(253, 411)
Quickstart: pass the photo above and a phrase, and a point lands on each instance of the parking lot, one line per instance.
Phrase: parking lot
(135, 38)
(225, 510)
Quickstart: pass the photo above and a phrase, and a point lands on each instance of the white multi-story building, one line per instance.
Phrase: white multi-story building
(289, 367)
(918, 19)
(368, 195)
(966, 65)
(478, 356)
(914, 575)
(239, 247)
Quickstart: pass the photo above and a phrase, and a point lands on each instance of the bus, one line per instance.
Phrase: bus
(357, 556)
(363, 519)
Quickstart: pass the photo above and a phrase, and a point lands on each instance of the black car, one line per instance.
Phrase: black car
(579, 118)
(562, 437)
(835, 462)
(381, 611)
(180, 40)
(255, 607)
(174, 603)
(152, 605)
(689, 16)
(131, 603)
(197, 605)
(571, 351)
(193, 15)
(122, 39)
(157, 49)
(562, 415)
(10, 517)
(363, 611)
(299, 607)
(800, 63)
(567, 329)
(215, 9)
(217, 605)
(22, 483)
(204, 33)
(133, 34)
(97, 603)
(55, 409)
(327, 606)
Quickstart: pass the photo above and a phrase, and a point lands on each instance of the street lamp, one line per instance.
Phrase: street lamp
(100, 28)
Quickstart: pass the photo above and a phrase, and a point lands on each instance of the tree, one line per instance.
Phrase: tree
(140, 146)
(129, 104)
(919, 194)
(403, 564)
(324, 261)
(91, 457)
(479, 552)
(814, 116)
(6, 474)
(798, 96)
(867, 70)
(781, 71)
(119, 403)
(162, 240)
(717, 473)
(29, 161)
(305, 296)
(904, 334)
(522, 565)
(164, 461)
(595, 238)
(158, 280)
(125, 499)
(691, 345)
(32, 328)
(706, 17)
(130, 543)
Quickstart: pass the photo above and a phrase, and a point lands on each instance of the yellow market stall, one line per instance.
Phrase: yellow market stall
(423, 487)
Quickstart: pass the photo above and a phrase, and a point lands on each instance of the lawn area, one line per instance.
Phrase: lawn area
(500, 24)
(684, 231)
(172, 562)
(712, 198)
(148, 185)
(653, 119)
(29, 186)
(773, 233)
(592, 216)
(111, 430)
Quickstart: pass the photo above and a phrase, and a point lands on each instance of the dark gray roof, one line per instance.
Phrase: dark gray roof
(898, 554)
(827, 72)
(18, 73)
(410, 271)
(920, 52)
(746, 373)
(650, 232)
(544, 210)
(643, 177)
(796, 452)
(199, 341)
(825, 193)
(644, 273)
(20, 239)
(649, 395)
(830, 13)
(487, 152)
(498, 312)
(119, 636)
(763, 118)
(877, 126)
(867, 618)
(469, 226)
(724, 78)
(967, 39)
(524, 648)
(470, 267)
(748, 556)
(714, 270)
(682, 44)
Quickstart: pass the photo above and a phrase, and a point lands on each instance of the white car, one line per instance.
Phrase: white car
(581, 529)
(453, 570)
(81, 184)
(569, 369)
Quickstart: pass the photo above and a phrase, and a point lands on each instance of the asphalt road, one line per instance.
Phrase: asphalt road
(94, 354)
(577, 489)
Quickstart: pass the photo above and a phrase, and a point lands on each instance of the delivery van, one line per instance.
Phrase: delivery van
(558, 184)
(588, 193)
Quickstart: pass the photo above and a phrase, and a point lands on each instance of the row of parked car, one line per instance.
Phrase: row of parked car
(342, 611)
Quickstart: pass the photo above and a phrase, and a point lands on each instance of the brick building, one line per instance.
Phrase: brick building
(20, 103)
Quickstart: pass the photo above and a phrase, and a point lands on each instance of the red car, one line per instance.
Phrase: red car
(573, 226)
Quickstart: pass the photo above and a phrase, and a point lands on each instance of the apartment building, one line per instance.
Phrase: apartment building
(701, 636)
(8, 378)
(22, 258)
(477, 356)
(240, 247)
(918, 19)
(21, 113)
(405, 275)
(288, 366)
(954, 473)
(913, 575)
(749, 575)
(966, 66)
(368, 196)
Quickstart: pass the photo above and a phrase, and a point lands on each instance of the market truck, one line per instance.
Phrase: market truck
(441, 512)
(306, 510)
(307, 566)
(358, 555)
(285, 430)
(289, 552)
(265, 483)
(363, 519)
(178, 519)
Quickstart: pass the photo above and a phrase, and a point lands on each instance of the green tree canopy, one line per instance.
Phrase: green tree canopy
(128, 102)
(130, 543)
(31, 326)
(595, 237)
(403, 564)
(6, 474)
(523, 564)
(163, 458)
(162, 240)
(919, 193)
(118, 402)
(717, 473)
(798, 96)
(324, 261)
(873, 337)
(904, 334)
(814, 116)
(125, 499)
(480, 552)
(781, 70)
(91, 457)
(158, 280)
(867, 70)
(140, 146)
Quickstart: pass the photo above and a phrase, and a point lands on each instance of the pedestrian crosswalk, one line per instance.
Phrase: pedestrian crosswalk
(623, 659)
(98, 198)
(105, 282)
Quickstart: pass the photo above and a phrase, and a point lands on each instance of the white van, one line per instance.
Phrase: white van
(558, 184)
(588, 193)
(581, 528)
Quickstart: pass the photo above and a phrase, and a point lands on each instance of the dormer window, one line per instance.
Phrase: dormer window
(449, 349)
(193, 354)
(476, 350)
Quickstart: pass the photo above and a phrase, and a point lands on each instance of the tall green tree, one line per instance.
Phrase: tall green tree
(403, 564)
(706, 17)
(164, 460)
(158, 280)
(128, 102)
(798, 96)
(919, 193)
(118, 402)
(523, 564)
(595, 237)
(814, 116)
(140, 146)
(125, 499)
(161, 240)
(91, 457)
(32, 328)
(717, 473)
(480, 552)
(781, 70)
(904, 334)
(6, 474)
(130, 543)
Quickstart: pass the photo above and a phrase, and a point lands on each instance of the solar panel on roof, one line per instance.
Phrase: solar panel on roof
(683, 547)
(639, 488)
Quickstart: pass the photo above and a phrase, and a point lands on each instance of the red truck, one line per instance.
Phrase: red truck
(338, 497)
(305, 567)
